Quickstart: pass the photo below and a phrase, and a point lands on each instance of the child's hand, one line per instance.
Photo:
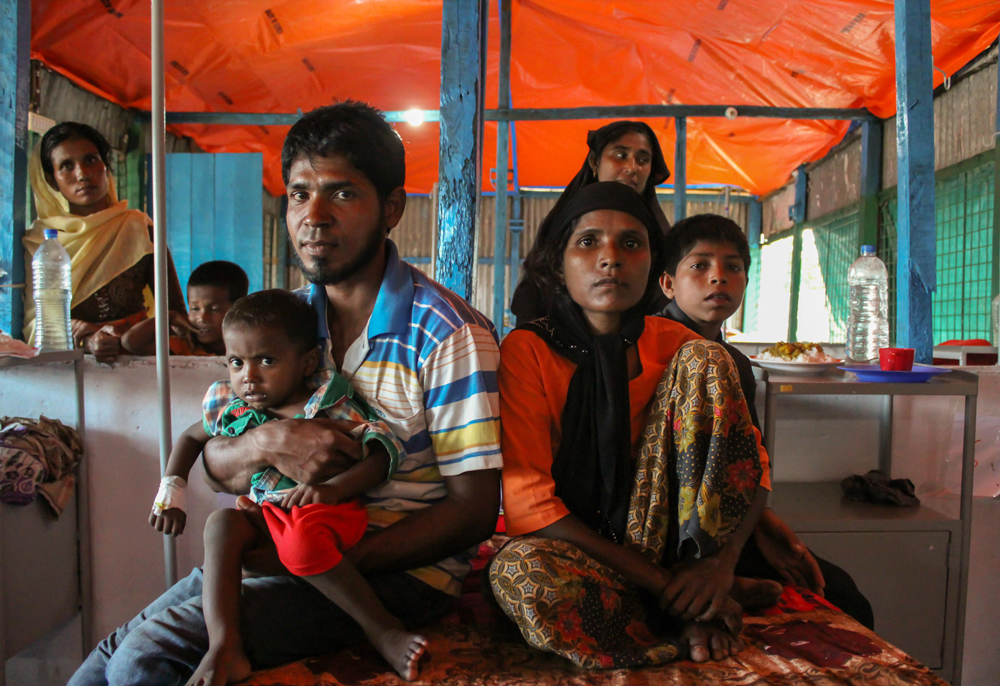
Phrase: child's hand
(180, 325)
(172, 521)
(698, 588)
(312, 494)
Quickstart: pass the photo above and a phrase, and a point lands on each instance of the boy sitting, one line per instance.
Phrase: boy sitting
(272, 350)
(707, 260)
(212, 289)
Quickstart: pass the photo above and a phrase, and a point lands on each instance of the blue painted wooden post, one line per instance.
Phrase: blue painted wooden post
(500, 200)
(462, 86)
(756, 221)
(799, 217)
(871, 181)
(801, 195)
(15, 78)
(916, 269)
(680, 169)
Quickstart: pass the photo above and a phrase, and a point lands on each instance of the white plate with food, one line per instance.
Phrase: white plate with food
(799, 359)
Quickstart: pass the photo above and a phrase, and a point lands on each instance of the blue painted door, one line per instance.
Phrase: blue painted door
(215, 211)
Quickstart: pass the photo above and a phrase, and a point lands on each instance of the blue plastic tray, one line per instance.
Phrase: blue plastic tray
(872, 373)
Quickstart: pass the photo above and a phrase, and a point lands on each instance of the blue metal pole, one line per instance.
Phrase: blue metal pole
(916, 276)
(500, 199)
(871, 181)
(462, 87)
(15, 80)
(680, 169)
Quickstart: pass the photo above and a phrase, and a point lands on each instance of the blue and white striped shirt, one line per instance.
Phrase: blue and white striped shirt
(427, 365)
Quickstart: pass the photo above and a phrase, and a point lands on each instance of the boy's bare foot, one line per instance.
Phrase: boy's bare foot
(710, 640)
(401, 649)
(220, 666)
(754, 594)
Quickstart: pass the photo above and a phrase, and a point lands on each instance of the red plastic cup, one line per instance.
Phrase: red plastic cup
(896, 359)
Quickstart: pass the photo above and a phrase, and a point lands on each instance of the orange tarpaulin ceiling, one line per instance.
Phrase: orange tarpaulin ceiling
(285, 55)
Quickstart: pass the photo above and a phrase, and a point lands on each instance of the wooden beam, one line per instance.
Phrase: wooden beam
(658, 111)
(15, 81)
(916, 275)
(541, 114)
(462, 86)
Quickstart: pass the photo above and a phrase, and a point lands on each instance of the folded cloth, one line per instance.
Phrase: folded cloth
(15, 348)
(38, 456)
(877, 487)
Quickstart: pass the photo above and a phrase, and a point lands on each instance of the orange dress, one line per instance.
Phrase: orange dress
(534, 381)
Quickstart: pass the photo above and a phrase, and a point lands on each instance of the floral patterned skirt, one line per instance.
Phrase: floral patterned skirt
(696, 476)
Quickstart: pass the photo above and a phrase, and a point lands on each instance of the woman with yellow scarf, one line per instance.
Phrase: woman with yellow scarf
(110, 246)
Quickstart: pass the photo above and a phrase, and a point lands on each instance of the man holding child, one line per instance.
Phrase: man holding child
(423, 360)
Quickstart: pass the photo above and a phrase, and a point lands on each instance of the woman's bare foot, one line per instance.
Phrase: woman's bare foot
(401, 649)
(754, 594)
(220, 666)
(710, 640)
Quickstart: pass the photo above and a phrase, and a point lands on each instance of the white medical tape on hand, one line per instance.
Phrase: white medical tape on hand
(170, 495)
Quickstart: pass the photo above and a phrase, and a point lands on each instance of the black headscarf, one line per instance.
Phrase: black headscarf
(528, 301)
(593, 470)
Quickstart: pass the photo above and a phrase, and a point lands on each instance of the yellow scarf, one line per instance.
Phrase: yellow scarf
(101, 245)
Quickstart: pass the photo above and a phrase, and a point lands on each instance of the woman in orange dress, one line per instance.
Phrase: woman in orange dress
(632, 472)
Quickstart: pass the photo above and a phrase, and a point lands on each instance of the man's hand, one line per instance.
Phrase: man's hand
(171, 521)
(698, 588)
(308, 450)
(787, 554)
(305, 450)
(313, 494)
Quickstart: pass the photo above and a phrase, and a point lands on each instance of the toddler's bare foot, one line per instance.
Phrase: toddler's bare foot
(754, 594)
(402, 650)
(710, 640)
(221, 665)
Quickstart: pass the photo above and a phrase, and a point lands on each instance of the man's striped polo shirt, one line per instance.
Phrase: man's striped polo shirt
(426, 364)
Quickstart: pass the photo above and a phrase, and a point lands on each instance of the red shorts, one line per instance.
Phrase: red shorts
(311, 539)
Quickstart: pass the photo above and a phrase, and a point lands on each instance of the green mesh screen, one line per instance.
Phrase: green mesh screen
(829, 246)
(964, 229)
(964, 205)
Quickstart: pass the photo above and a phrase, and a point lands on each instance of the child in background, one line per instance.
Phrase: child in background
(272, 350)
(212, 289)
(707, 262)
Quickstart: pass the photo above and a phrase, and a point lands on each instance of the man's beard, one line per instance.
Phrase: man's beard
(321, 275)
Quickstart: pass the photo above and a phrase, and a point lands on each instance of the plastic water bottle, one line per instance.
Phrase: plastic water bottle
(868, 323)
(53, 291)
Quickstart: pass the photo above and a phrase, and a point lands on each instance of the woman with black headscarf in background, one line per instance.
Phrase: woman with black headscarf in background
(623, 151)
